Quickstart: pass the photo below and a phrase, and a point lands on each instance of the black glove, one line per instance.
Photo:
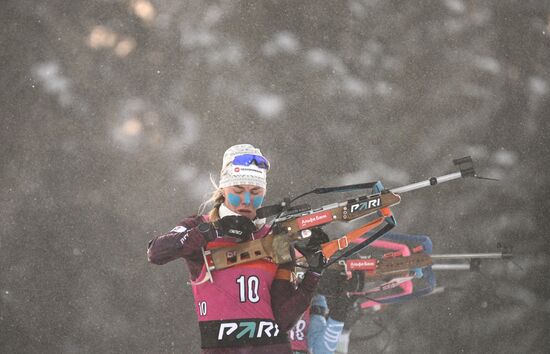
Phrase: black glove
(340, 306)
(237, 226)
(333, 282)
(311, 249)
(335, 285)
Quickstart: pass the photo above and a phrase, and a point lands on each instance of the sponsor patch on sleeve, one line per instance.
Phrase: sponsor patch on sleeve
(179, 229)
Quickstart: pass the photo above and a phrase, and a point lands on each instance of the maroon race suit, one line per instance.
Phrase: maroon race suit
(248, 308)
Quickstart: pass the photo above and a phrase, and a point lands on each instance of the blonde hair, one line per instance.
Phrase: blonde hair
(216, 199)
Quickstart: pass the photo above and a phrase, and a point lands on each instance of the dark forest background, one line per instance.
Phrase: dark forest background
(114, 113)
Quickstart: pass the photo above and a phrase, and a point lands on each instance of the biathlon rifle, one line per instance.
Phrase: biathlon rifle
(394, 269)
(393, 263)
(292, 223)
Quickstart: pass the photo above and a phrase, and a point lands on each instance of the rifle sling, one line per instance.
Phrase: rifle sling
(362, 245)
(331, 247)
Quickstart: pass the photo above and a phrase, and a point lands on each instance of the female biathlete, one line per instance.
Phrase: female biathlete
(250, 307)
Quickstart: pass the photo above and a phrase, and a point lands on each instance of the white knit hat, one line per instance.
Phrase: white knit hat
(231, 175)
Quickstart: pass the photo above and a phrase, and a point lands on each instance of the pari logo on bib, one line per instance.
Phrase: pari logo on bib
(243, 164)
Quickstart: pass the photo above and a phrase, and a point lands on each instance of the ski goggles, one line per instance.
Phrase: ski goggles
(248, 159)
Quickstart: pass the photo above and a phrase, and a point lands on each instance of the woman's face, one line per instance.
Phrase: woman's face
(244, 199)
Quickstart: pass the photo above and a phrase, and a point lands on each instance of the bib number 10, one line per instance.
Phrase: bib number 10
(248, 288)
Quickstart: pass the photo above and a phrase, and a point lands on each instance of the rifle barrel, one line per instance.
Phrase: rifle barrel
(461, 266)
(468, 256)
(427, 183)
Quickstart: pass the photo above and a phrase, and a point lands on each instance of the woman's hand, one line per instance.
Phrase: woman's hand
(311, 249)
